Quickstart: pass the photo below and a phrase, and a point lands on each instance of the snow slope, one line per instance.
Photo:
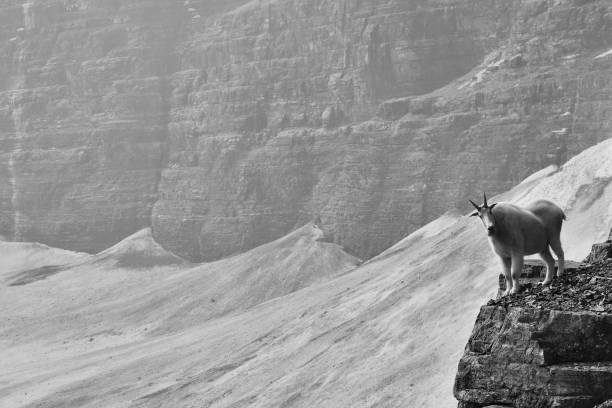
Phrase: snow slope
(17, 256)
(291, 325)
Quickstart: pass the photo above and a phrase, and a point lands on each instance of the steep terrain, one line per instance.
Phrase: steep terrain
(272, 116)
(545, 347)
(227, 124)
(387, 333)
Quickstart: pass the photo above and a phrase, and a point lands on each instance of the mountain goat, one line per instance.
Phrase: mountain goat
(515, 232)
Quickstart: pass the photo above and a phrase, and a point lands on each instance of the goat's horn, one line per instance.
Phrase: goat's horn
(474, 204)
(485, 200)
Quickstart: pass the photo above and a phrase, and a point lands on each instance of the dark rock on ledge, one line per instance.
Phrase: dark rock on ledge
(544, 347)
(588, 287)
(600, 251)
(534, 271)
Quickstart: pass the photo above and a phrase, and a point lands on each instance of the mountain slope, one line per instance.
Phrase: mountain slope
(388, 333)
(17, 257)
(138, 283)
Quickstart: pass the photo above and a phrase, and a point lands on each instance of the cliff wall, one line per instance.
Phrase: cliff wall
(545, 347)
(278, 127)
(225, 125)
(83, 117)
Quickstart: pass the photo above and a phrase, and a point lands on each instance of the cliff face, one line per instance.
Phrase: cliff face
(260, 139)
(545, 347)
(528, 357)
(267, 121)
(83, 117)
(227, 124)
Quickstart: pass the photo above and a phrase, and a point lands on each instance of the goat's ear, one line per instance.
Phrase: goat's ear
(474, 214)
(492, 205)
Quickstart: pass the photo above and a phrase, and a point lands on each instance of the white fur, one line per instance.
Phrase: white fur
(517, 232)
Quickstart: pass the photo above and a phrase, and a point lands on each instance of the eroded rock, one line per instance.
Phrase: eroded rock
(600, 251)
(544, 347)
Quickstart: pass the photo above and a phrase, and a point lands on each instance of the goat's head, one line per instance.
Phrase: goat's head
(485, 213)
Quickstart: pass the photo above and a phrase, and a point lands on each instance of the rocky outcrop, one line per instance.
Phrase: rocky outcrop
(545, 347)
(525, 357)
(601, 251)
(225, 125)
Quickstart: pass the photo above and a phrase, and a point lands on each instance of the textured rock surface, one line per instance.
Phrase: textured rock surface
(601, 251)
(519, 357)
(82, 118)
(534, 272)
(234, 122)
(270, 133)
(545, 347)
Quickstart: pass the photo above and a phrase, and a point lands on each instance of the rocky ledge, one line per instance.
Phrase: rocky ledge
(546, 346)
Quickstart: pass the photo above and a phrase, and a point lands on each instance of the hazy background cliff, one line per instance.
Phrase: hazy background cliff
(227, 124)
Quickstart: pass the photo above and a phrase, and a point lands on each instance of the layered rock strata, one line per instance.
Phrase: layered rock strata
(83, 117)
(225, 125)
(267, 127)
(544, 347)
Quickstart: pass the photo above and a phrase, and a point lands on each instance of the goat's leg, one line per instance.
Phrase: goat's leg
(506, 264)
(516, 269)
(555, 244)
(550, 266)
